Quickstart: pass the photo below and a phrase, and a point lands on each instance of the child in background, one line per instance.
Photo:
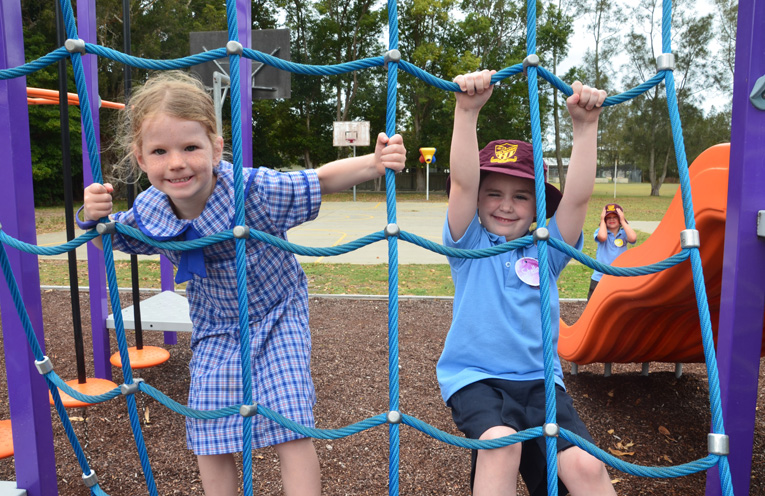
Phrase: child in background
(491, 370)
(169, 132)
(612, 236)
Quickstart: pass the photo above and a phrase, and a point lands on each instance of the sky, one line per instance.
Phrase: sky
(578, 50)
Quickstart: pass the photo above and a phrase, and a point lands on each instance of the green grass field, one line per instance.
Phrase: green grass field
(420, 280)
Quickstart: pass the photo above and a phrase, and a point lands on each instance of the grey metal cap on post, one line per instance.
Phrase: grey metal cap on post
(689, 238)
(757, 96)
(241, 232)
(75, 46)
(91, 479)
(530, 60)
(551, 430)
(392, 229)
(718, 444)
(665, 62)
(393, 417)
(44, 366)
(234, 48)
(107, 228)
(248, 410)
(127, 389)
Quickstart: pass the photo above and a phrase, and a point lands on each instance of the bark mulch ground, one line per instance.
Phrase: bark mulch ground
(658, 420)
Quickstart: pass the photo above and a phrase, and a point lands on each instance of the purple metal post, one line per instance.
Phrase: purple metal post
(102, 368)
(743, 294)
(244, 28)
(27, 393)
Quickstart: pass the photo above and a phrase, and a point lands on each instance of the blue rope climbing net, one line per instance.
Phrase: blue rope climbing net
(75, 48)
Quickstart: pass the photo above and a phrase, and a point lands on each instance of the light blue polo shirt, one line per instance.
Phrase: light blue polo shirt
(496, 330)
(609, 249)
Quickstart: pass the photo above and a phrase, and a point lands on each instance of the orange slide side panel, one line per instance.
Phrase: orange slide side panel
(655, 318)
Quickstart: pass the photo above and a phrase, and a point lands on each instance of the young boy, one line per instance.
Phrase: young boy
(491, 370)
(612, 236)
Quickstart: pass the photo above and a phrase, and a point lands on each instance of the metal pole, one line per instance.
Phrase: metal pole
(354, 186)
(218, 98)
(66, 162)
(427, 180)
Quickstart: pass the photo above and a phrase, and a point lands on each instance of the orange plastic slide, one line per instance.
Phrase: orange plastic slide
(654, 318)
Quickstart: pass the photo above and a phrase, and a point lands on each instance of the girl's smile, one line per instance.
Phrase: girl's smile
(178, 157)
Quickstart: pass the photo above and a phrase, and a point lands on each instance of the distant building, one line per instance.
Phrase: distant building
(626, 173)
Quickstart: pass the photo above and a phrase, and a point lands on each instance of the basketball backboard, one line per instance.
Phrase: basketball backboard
(267, 82)
(350, 133)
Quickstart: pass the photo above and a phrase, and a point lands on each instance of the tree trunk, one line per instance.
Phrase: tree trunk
(420, 180)
(558, 156)
(660, 181)
(307, 162)
(652, 170)
(307, 159)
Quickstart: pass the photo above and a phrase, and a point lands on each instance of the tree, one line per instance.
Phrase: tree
(328, 32)
(726, 16)
(427, 30)
(558, 27)
(44, 121)
(605, 21)
(649, 133)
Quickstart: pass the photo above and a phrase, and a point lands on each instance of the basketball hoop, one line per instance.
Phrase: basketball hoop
(350, 133)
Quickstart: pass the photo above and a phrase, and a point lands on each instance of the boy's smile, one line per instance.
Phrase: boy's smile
(506, 205)
(612, 222)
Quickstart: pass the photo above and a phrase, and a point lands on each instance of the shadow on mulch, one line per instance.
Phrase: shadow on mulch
(658, 420)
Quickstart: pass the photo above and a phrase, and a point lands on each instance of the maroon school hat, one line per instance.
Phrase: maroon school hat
(611, 209)
(514, 158)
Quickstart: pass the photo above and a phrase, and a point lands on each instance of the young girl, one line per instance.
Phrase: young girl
(612, 236)
(170, 133)
(491, 370)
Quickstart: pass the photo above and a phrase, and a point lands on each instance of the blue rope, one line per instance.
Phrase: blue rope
(240, 246)
(127, 371)
(47, 250)
(707, 337)
(390, 197)
(35, 65)
(551, 443)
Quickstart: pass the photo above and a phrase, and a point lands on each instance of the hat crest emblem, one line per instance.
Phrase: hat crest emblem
(504, 153)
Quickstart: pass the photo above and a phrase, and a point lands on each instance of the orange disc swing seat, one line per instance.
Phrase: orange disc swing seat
(91, 387)
(6, 439)
(148, 356)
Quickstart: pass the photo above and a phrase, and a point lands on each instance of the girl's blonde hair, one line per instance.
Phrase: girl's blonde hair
(172, 93)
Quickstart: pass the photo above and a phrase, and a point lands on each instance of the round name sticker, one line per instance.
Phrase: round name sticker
(527, 269)
(619, 242)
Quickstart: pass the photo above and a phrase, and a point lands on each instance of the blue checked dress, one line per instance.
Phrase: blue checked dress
(280, 341)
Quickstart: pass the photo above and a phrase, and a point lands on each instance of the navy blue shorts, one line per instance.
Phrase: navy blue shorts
(520, 405)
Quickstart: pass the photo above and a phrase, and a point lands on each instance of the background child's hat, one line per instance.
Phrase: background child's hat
(612, 207)
(514, 158)
(611, 210)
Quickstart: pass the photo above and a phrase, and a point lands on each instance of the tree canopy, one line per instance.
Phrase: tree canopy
(442, 37)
